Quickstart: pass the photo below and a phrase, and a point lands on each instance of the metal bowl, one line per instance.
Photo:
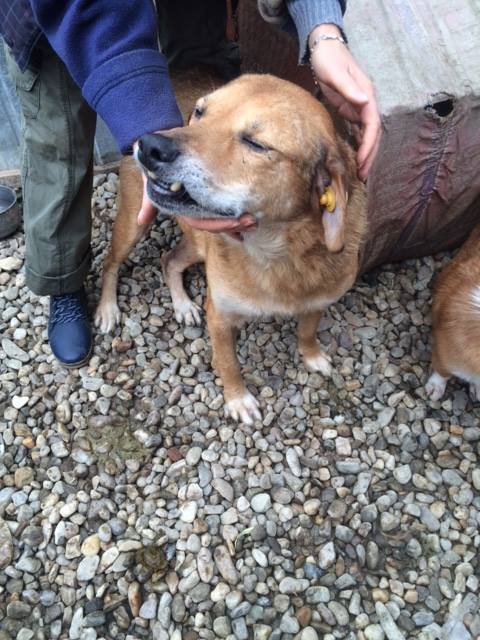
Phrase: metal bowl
(10, 215)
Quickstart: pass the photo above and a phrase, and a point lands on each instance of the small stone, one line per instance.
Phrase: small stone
(188, 511)
(259, 557)
(13, 351)
(10, 264)
(23, 476)
(403, 475)
(239, 629)
(261, 502)
(87, 568)
(223, 488)
(388, 624)
(317, 594)
(476, 479)
(327, 555)
(261, 632)
(341, 614)
(108, 558)
(148, 610)
(224, 564)
(205, 565)
(422, 618)
(292, 585)
(178, 608)
(304, 616)
(18, 610)
(312, 506)
(76, 625)
(374, 632)
(19, 401)
(293, 462)
(309, 633)
(91, 545)
(134, 598)
(33, 536)
(389, 521)
(289, 624)
(6, 545)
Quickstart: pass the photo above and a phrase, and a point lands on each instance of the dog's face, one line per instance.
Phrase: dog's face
(258, 145)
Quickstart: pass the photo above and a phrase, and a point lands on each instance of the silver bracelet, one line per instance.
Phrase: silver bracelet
(326, 37)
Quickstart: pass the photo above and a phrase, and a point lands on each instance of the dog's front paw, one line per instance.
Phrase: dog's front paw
(187, 312)
(107, 316)
(320, 362)
(243, 408)
(435, 387)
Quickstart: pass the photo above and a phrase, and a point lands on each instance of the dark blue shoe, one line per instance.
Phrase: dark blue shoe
(69, 330)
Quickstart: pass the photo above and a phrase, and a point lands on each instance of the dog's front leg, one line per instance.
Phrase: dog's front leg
(240, 404)
(126, 233)
(314, 357)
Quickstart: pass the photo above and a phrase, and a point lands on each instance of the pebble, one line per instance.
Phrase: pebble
(387, 623)
(87, 568)
(261, 502)
(6, 545)
(293, 462)
(327, 555)
(374, 632)
(148, 610)
(188, 511)
(402, 474)
(224, 564)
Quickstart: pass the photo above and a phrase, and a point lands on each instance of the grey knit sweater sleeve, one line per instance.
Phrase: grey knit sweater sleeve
(307, 14)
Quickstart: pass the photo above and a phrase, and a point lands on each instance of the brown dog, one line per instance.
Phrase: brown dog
(456, 321)
(267, 147)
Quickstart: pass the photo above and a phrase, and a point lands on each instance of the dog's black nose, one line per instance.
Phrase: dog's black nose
(153, 149)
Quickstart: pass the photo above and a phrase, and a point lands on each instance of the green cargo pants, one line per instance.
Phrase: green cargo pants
(58, 130)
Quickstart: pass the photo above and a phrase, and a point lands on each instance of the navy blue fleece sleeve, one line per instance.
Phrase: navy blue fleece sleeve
(110, 48)
(307, 14)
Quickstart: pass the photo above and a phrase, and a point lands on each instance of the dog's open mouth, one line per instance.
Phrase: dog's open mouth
(174, 199)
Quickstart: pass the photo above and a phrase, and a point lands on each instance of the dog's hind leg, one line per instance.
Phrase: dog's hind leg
(126, 233)
(314, 357)
(174, 264)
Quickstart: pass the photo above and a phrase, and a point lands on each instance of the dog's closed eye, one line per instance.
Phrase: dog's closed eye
(254, 144)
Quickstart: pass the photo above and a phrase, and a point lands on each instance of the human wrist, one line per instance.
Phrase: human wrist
(327, 29)
(325, 33)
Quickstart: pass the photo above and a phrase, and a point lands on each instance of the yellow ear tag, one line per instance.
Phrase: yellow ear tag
(328, 199)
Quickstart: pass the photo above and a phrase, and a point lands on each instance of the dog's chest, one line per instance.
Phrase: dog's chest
(228, 300)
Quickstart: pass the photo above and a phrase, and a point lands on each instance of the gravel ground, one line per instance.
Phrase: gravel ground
(130, 508)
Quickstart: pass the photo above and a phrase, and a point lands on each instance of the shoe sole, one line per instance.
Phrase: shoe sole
(76, 365)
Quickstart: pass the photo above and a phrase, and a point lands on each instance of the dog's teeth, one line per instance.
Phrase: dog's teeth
(175, 186)
(151, 175)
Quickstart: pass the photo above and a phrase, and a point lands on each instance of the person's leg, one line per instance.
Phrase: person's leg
(58, 131)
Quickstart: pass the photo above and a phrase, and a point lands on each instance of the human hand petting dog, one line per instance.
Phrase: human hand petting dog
(349, 90)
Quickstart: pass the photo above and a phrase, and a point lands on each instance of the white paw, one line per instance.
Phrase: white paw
(107, 316)
(435, 387)
(187, 312)
(243, 409)
(321, 363)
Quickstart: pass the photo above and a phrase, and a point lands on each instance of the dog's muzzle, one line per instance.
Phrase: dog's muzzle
(157, 155)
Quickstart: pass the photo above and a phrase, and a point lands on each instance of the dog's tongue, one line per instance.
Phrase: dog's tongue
(217, 225)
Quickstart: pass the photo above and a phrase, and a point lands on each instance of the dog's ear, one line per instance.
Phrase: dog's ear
(331, 190)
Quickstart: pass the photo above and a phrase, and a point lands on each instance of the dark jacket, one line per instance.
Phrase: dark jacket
(110, 48)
